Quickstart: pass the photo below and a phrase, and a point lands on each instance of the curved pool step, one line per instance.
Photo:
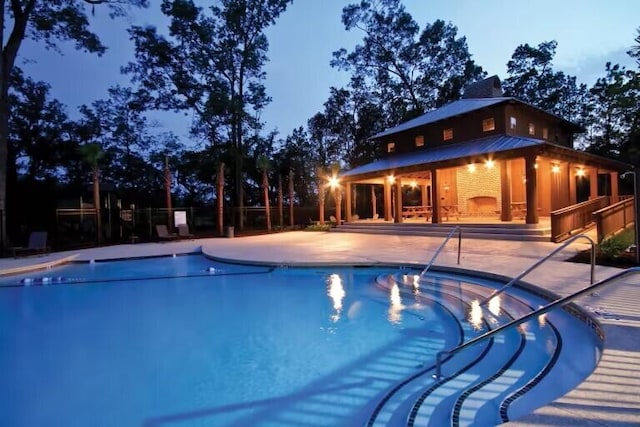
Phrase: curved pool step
(481, 399)
(395, 405)
(398, 403)
(487, 402)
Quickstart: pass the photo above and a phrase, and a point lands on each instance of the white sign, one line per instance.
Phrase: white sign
(179, 218)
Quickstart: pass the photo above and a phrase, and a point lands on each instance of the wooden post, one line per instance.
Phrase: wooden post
(531, 189)
(387, 200)
(398, 212)
(435, 197)
(505, 190)
(347, 201)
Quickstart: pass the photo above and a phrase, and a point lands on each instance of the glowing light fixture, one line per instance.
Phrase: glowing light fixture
(391, 179)
(489, 164)
(333, 182)
(580, 172)
(555, 169)
(471, 167)
(413, 184)
(535, 166)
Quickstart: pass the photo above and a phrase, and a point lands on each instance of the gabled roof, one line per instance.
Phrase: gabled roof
(474, 148)
(457, 108)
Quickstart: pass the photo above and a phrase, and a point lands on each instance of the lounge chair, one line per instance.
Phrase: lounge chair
(37, 244)
(163, 233)
(183, 232)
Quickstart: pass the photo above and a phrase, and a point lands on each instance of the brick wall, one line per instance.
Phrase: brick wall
(481, 182)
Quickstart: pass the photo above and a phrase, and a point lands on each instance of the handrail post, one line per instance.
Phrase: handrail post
(438, 374)
(525, 318)
(544, 259)
(593, 262)
(444, 242)
(459, 243)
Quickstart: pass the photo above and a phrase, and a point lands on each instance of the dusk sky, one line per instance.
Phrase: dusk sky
(589, 33)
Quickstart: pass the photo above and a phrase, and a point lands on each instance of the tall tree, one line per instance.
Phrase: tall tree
(411, 70)
(532, 79)
(616, 116)
(212, 64)
(264, 165)
(92, 153)
(49, 22)
(634, 52)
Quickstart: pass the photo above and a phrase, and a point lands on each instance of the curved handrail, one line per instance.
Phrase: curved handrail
(542, 260)
(542, 310)
(444, 242)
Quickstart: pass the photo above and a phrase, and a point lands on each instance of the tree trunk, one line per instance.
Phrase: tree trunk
(7, 61)
(167, 190)
(291, 215)
(96, 202)
(321, 203)
(280, 202)
(338, 200)
(265, 188)
(220, 197)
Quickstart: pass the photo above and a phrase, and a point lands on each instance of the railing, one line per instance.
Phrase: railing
(576, 217)
(544, 259)
(542, 310)
(442, 245)
(614, 218)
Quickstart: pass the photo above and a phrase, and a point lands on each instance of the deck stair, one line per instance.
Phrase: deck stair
(518, 232)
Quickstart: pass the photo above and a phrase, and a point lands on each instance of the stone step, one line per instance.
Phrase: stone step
(517, 232)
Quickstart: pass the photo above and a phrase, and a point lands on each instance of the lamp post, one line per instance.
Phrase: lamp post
(636, 210)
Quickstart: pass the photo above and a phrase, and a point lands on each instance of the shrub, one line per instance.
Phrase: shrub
(614, 246)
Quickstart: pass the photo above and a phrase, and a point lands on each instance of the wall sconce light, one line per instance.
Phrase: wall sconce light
(555, 169)
(580, 172)
(413, 184)
(535, 166)
(333, 182)
(471, 167)
(446, 188)
(489, 164)
(391, 179)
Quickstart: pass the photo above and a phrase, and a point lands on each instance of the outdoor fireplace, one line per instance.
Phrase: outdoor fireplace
(482, 204)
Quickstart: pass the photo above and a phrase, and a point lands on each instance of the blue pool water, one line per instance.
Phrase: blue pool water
(188, 341)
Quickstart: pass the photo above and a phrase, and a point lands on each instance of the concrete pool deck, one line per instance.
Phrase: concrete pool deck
(609, 397)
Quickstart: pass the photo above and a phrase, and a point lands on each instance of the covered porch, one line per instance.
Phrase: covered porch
(515, 180)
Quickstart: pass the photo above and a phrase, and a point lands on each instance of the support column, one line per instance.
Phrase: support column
(374, 206)
(347, 201)
(573, 195)
(505, 190)
(398, 212)
(593, 183)
(423, 195)
(531, 189)
(615, 192)
(435, 197)
(387, 199)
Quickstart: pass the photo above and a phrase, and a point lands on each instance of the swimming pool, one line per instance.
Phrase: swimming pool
(189, 341)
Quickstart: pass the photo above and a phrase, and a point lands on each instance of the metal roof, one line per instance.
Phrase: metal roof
(477, 147)
(452, 109)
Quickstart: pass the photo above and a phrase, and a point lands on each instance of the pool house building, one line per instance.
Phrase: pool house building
(485, 158)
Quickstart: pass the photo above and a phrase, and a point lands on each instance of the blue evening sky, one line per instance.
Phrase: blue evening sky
(589, 33)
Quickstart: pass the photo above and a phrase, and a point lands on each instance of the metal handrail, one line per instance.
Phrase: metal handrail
(542, 310)
(545, 258)
(444, 242)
